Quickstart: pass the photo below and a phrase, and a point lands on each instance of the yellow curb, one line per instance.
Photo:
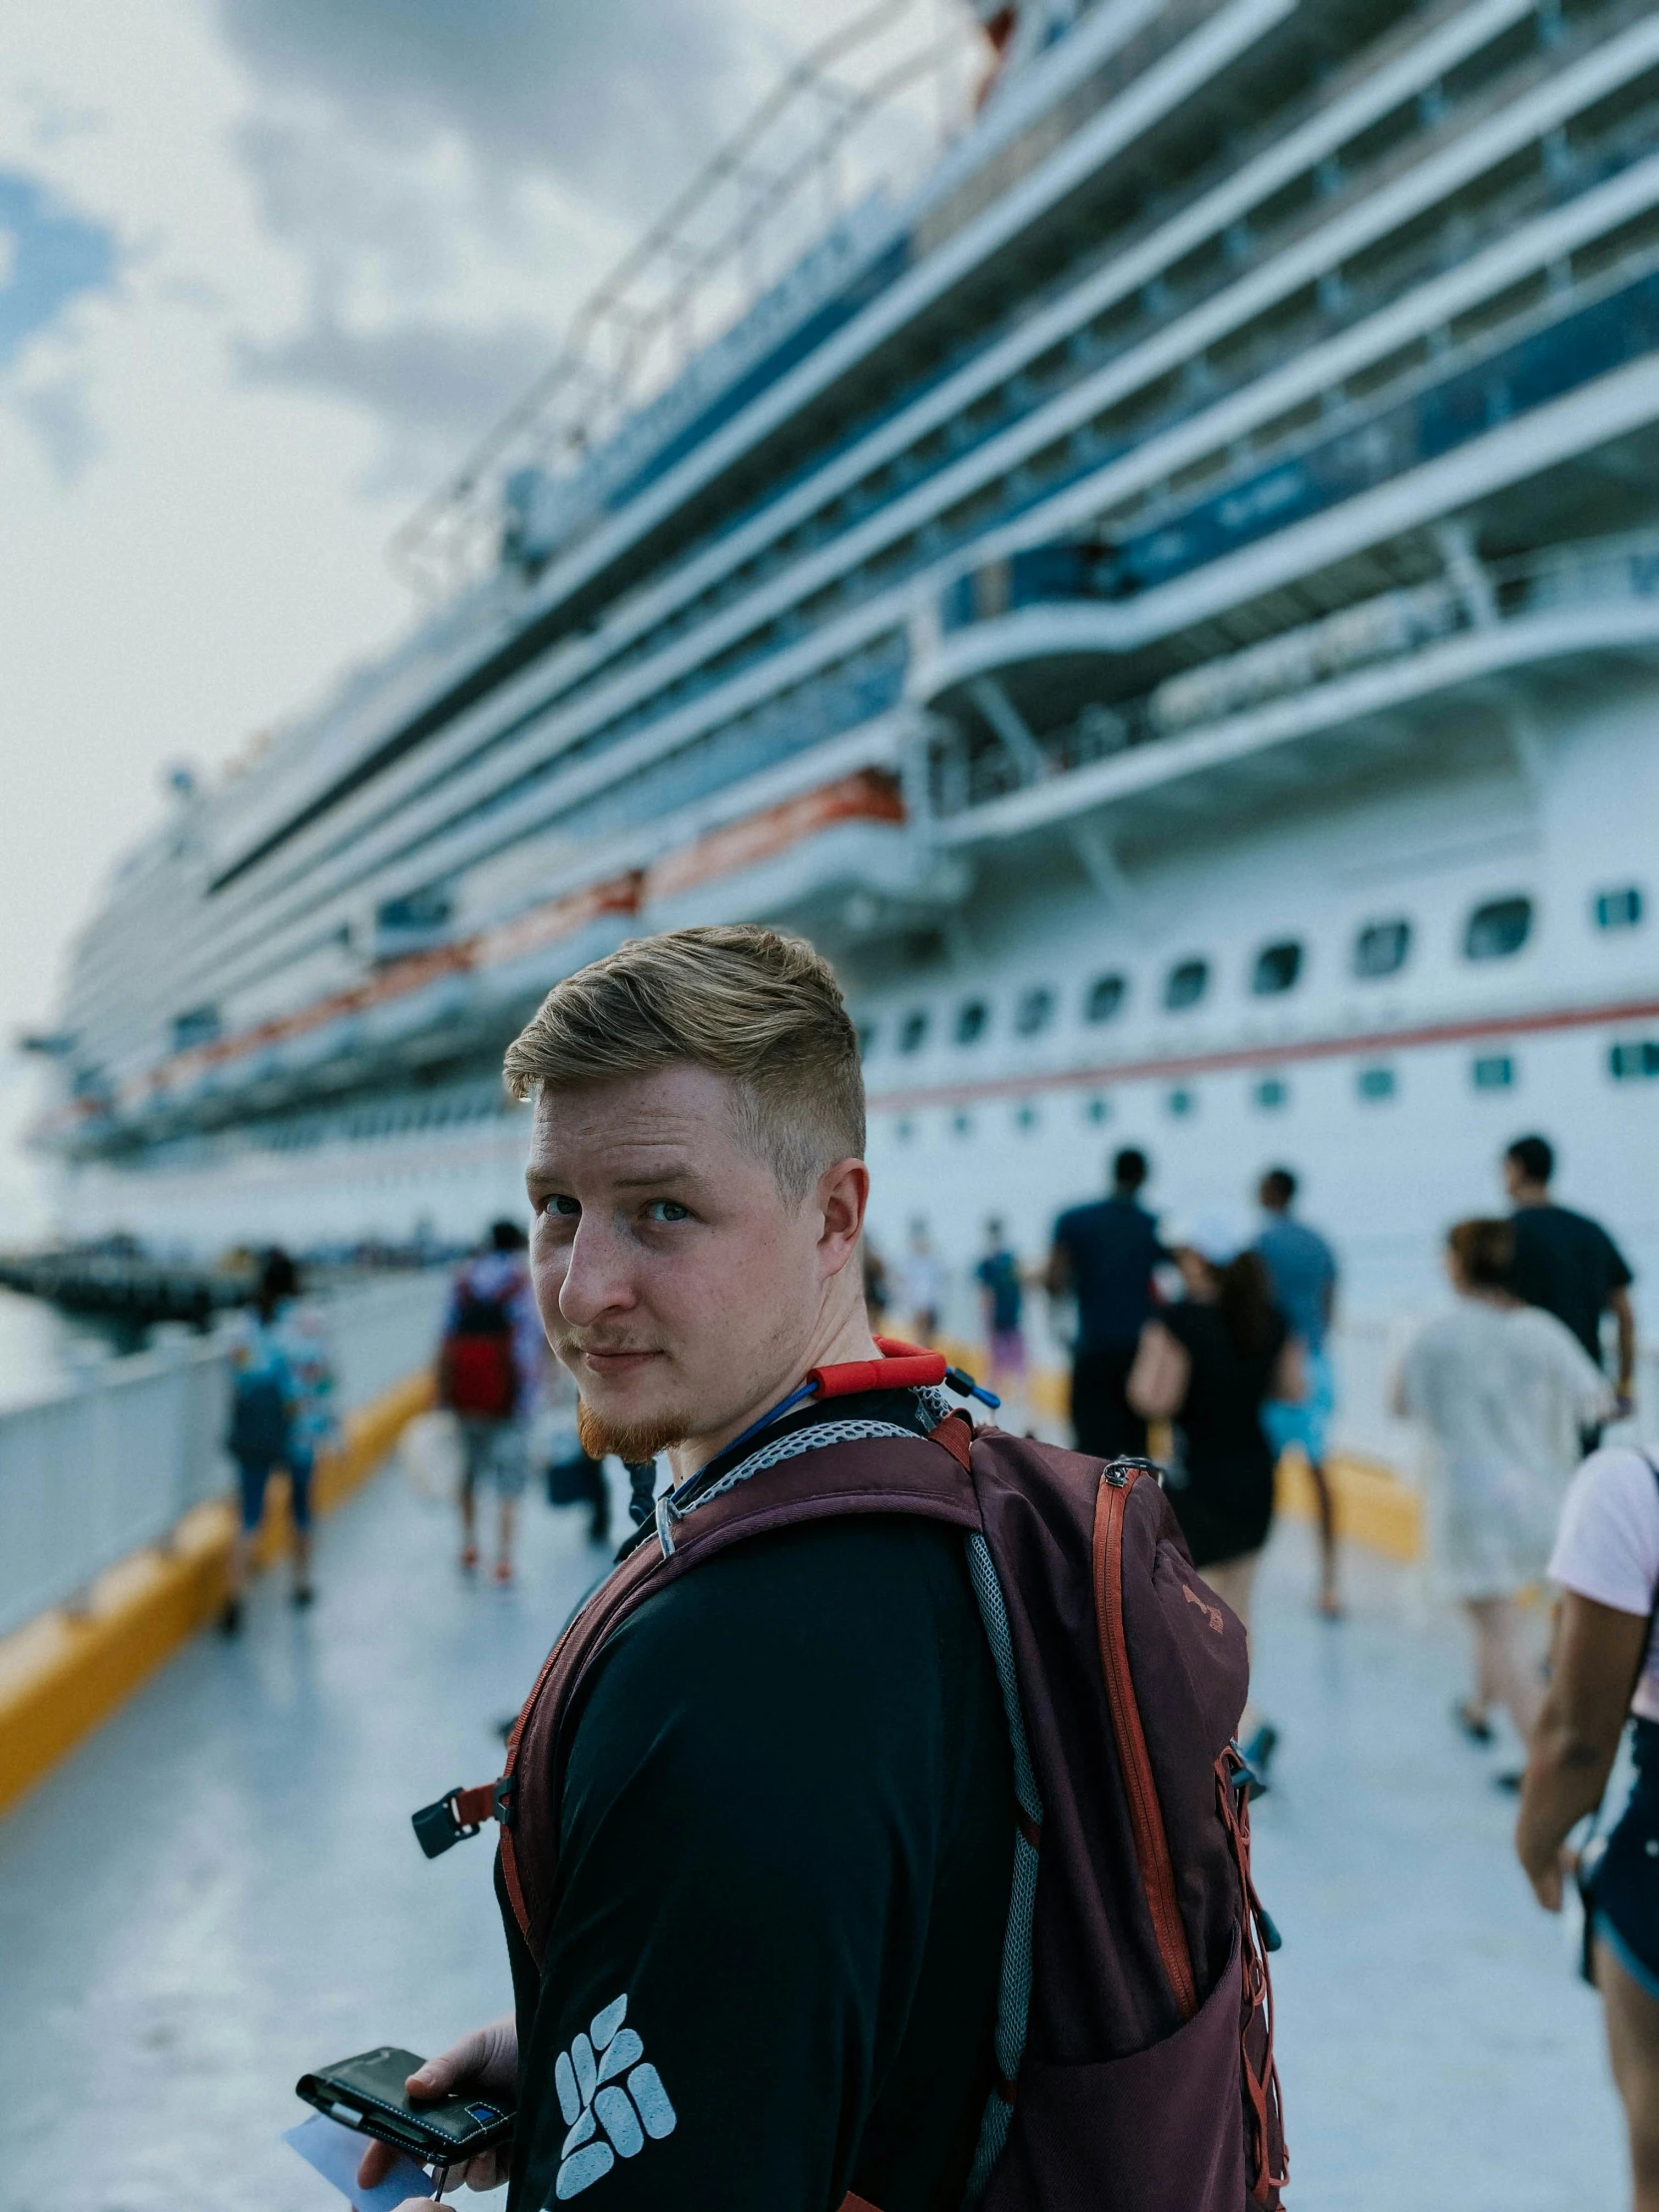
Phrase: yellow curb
(64, 1673)
(1373, 1506)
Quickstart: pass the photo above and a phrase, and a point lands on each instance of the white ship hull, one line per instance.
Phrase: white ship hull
(1210, 515)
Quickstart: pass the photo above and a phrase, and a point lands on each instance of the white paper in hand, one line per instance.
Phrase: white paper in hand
(334, 2151)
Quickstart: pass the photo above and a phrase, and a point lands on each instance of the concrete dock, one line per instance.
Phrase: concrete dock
(220, 1889)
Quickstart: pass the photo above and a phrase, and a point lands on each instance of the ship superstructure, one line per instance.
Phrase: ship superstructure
(1166, 595)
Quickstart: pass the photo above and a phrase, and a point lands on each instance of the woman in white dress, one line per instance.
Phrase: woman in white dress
(1504, 1390)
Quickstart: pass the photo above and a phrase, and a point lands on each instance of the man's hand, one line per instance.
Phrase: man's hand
(485, 2061)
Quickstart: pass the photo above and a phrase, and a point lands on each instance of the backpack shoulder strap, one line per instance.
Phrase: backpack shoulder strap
(834, 1476)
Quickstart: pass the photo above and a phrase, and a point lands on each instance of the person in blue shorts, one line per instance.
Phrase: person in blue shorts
(1302, 1269)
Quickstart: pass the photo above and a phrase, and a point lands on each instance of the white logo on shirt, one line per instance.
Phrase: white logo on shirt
(612, 2099)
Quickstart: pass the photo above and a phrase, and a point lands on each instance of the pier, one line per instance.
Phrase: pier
(221, 1888)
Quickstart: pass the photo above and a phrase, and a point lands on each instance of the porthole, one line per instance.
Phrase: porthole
(905, 1131)
(1494, 1071)
(1035, 1010)
(1382, 948)
(1276, 969)
(1499, 930)
(1186, 984)
(1635, 1062)
(1179, 1104)
(972, 1018)
(1106, 996)
(1619, 910)
(1376, 1083)
(1270, 1093)
(1026, 1118)
(912, 1030)
(1096, 1110)
(961, 1125)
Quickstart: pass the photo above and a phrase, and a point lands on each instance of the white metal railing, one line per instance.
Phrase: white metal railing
(112, 1460)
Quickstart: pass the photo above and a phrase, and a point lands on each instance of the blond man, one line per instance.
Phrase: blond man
(784, 1811)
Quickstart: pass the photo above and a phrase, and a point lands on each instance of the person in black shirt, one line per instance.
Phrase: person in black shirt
(785, 1812)
(1567, 1264)
(1103, 1255)
(1208, 1363)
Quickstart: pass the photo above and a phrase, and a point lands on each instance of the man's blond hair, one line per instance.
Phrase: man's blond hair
(761, 1010)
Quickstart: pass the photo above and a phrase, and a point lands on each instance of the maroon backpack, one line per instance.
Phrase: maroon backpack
(1134, 2042)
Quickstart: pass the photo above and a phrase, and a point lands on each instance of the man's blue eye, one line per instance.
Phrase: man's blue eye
(670, 1209)
(563, 1206)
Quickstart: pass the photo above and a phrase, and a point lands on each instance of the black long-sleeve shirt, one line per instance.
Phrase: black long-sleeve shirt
(785, 1847)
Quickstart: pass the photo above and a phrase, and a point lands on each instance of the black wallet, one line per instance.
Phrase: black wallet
(367, 2093)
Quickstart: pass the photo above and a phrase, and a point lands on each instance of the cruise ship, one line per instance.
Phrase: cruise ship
(1132, 525)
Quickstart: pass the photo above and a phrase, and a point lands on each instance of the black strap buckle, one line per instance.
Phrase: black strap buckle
(439, 1827)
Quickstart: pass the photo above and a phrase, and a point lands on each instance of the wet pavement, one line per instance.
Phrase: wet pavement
(221, 1889)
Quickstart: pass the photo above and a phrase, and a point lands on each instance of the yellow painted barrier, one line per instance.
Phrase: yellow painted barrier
(65, 1673)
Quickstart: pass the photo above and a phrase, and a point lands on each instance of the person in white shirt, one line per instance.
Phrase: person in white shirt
(921, 1284)
(1504, 1390)
(1606, 1562)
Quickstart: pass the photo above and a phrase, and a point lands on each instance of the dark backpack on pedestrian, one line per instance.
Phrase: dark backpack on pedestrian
(260, 1420)
(476, 1360)
(1134, 2043)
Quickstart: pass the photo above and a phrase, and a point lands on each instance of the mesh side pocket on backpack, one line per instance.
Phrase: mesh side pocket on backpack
(1013, 2003)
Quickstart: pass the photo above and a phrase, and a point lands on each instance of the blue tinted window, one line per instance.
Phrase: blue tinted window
(913, 1029)
(1499, 930)
(1181, 1103)
(1382, 948)
(1494, 1071)
(972, 1018)
(1619, 910)
(1636, 1062)
(1106, 996)
(1035, 1010)
(1186, 984)
(1271, 1092)
(1276, 969)
(1376, 1083)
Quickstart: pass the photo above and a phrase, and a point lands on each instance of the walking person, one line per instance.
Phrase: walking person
(1504, 1390)
(1302, 1274)
(1003, 1306)
(1103, 1255)
(921, 1284)
(1208, 1363)
(282, 1389)
(1569, 1264)
(490, 1365)
(1606, 1564)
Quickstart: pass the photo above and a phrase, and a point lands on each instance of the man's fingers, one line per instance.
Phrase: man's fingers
(375, 2165)
(440, 2074)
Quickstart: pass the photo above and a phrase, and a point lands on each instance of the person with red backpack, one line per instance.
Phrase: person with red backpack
(489, 1366)
(872, 1836)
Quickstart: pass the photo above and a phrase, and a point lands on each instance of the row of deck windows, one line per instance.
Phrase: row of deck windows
(1635, 1060)
(1494, 930)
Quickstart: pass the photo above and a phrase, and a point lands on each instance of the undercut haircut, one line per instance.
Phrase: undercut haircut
(761, 1010)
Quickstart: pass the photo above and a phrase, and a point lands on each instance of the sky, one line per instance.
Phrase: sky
(268, 270)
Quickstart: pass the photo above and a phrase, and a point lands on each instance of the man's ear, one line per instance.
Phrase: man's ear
(841, 1196)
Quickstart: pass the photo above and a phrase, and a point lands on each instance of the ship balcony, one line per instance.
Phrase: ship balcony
(839, 860)
(1026, 745)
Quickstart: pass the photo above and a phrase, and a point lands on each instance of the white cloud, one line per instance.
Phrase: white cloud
(342, 236)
